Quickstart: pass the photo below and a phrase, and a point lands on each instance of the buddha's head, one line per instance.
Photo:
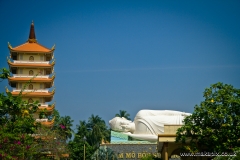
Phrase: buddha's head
(119, 124)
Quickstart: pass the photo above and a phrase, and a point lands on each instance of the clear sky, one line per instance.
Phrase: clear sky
(129, 55)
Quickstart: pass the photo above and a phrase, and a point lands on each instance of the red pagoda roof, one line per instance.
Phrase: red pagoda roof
(31, 47)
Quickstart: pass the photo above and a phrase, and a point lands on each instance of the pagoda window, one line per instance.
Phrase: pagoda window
(14, 57)
(31, 58)
(47, 72)
(30, 72)
(48, 58)
(30, 86)
(19, 85)
(14, 71)
(41, 72)
(41, 100)
(30, 100)
(41, 86)
(20, 71)
(20, 57)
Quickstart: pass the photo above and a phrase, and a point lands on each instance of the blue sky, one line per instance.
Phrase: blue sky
(129, 55)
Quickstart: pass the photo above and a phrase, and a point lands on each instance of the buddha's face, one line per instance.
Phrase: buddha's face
(117, 124)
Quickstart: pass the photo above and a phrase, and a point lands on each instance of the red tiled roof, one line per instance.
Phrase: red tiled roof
(31, 47)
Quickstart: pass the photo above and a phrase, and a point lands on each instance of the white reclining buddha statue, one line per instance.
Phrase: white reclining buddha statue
(148, 123)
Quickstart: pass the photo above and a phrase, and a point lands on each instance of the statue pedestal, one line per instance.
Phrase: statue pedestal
(126, 147)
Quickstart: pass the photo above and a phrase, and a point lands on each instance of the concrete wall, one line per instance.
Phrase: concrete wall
(171, 129)
(132, 151)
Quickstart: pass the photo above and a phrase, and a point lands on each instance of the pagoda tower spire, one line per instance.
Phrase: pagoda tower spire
(32, 37)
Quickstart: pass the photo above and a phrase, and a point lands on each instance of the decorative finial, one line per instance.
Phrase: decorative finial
(9, 45)
(53, 47)
(32, 37)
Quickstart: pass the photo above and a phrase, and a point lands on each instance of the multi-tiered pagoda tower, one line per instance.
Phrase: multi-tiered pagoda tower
(34, 63)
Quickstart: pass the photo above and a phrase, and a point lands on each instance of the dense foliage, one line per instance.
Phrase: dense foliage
(104, 153)
(4, 73)
(50, 142)
(215, 124)
(95, 131)
(21, 137)
(16, 125)
(62, 124)
(236, 156)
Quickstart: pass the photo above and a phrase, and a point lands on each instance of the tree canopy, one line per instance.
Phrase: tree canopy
(16, 125)
(21, 137)
(215, 124)
(95, 131)
(4, 73)
(124, 114)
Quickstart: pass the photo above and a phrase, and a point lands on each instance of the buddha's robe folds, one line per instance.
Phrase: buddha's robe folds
(153, 121)
(150, 123)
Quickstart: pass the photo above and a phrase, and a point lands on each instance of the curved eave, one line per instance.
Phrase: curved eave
(34, 52)
(62, 155)
(31, 65)
(48, 109)
(34, 94)
(65, 155)
(46, 80)
(44, 137)
(11, 49)
(49, 123)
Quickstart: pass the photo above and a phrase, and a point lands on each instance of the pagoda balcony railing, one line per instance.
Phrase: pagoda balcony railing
(35, 134)
(42, 120)
(32, 90)
(44, 105)
(29, 76)
(32, 62)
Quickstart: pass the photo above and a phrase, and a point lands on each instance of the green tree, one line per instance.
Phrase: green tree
(65, 124)
(124, 114)
(82, 129)
(215, 124)
(235, 156)
(50, 141)
(98, 130)
(57, 117)
(95, 130)
(21, 137)
(62, 124)
(16, 125)
(76, 148)
(4, 73)
(104, 153)
(150, 157)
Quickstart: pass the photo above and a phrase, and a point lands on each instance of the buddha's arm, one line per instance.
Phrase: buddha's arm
(143, 137)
